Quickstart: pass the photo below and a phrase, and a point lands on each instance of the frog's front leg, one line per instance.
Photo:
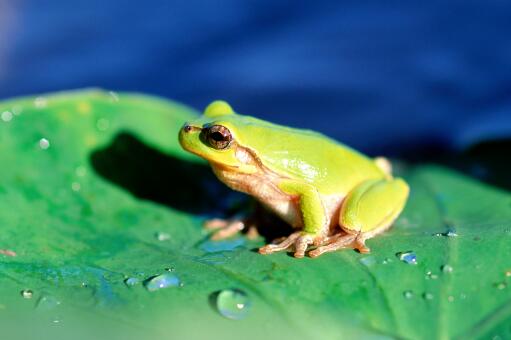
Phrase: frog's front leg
(315, 222)
(368, 210)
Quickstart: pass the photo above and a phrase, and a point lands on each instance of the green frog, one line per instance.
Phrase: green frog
(333, 196)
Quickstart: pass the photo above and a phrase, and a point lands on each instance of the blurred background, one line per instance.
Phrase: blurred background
(393, 77)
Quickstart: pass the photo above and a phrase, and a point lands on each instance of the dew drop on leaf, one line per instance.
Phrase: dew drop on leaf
(232, 303)
(162, 281)
(428, 296)
(408, 294)
(44, 143)
(431, 276)
(6, 116)
(27, 293)
(447, 268)
(47, 302)
(131, 281)
(161, 236)
(451, 232)
(500, 285)
(408, 257)
(75, 186)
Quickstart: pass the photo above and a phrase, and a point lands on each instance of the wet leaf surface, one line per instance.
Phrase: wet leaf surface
(101, 215)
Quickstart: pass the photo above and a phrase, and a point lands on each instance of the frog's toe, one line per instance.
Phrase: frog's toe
(301, 245)
(299, 240)
(272, 248)
(230, 229)
(252, 233)
(216, 223)
(341, 241)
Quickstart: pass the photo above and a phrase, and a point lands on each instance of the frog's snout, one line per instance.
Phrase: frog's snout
(185, 135)
(187, 128)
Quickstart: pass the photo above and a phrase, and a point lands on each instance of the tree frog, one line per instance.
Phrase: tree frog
(333, 196)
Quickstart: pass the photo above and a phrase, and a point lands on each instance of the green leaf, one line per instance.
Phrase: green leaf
(94, 189)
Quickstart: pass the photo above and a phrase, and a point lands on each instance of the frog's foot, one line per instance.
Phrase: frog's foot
(339, 241)
(299, 240)
(226, 228)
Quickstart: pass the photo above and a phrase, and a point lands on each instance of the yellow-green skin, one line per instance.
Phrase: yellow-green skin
(343, 196)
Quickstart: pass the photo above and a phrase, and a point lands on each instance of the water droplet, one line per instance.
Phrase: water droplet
(81, 171)
(170, 269)
(131, 281)
(463, 296)
(114, 98)
(428, 296)
(102, 124)
(44, 143)
(27, 293)
(407, 256)
(75, 186)
(431, 276)
(232, 303)
(40, 102)
(386, 261)
(161, 281)
(17, 110)
(450, 298)
(6, 116)
(368, 261)
(451, 232)
(447, 268)
(161, 236)
(47, 302)
(408, 294)
(500, 285)
(508, 273)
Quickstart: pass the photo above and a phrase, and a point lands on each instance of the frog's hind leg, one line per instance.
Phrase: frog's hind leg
(368, 210)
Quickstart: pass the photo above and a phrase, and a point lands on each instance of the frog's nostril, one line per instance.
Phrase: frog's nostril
(187, 128)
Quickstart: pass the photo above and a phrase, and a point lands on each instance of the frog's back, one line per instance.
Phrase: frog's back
(307, 155)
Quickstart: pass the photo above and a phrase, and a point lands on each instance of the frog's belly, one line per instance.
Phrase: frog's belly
(286, 206)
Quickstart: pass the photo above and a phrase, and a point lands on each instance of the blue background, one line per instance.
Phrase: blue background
(383, 76)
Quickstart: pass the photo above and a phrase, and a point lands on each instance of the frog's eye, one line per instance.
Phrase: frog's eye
(219, 137)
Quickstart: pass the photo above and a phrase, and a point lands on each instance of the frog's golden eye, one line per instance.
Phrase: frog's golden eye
(219, 137)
